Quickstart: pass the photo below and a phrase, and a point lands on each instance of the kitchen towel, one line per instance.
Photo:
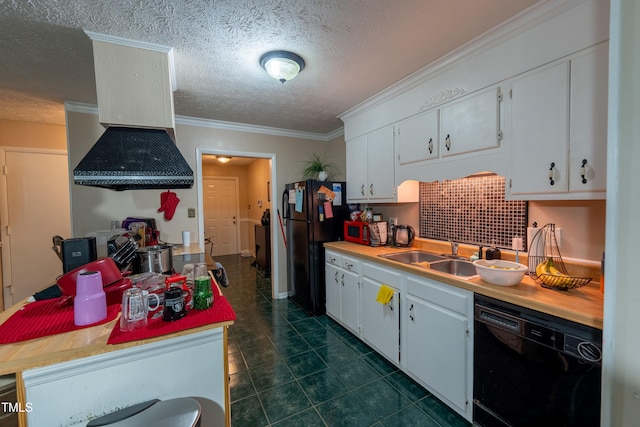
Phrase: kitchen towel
(220, 312)
(384, 295)
(43, 318)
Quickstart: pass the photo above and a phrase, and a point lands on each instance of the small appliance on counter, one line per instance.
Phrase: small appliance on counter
(75, 252)
(403, 235)
(356, 232)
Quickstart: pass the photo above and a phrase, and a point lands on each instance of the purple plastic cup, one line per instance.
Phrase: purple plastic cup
(90, 302)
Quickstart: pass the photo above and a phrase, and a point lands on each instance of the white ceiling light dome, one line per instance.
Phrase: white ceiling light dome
(282, 65)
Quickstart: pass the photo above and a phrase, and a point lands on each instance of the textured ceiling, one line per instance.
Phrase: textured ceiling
(352, 49)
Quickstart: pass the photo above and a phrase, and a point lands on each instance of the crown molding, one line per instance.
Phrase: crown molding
(516, 25)
(78, 107)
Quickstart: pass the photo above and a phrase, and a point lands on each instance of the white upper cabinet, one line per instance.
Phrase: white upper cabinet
(471, 123)
(370, 169)
(357, 170)
(524, 101)
(417, 137)
(540, 131)
(588, 121)
(559, 127)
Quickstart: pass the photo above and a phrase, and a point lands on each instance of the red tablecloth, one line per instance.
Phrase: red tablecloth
(42, 318)
(220, 312)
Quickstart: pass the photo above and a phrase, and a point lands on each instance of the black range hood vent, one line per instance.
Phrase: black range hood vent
(134, 159)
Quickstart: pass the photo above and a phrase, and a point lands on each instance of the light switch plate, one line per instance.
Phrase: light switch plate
(191, 212)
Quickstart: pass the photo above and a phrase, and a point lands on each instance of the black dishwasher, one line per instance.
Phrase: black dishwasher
(533, 369)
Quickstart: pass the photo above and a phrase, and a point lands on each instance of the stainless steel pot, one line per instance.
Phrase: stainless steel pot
(154, 259)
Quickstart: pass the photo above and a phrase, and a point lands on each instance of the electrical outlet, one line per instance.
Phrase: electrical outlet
(191, 213)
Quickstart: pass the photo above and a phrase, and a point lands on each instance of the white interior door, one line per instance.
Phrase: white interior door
(35, 203)
(220, 206)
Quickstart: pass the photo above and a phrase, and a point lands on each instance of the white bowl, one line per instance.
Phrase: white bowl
(500, 272)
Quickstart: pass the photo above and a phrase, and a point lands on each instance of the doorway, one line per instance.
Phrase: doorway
(254, 176)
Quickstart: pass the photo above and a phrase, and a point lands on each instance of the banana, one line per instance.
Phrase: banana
(541, 268)
(551, 276)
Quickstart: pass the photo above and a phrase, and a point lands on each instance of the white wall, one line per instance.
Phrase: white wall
(621, 365)
(93, 208)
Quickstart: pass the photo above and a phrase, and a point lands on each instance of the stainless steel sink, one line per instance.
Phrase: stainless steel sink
(413, 257)
(443, 263)
(456, 267)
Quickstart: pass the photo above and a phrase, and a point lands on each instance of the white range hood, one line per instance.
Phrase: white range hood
(134, 85)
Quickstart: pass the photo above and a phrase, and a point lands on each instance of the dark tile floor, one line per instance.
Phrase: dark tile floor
(289, 369)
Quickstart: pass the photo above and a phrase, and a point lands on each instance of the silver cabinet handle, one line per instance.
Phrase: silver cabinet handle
(430, 145)
(336, 277)
(551, 168)
(447, 142)
(342, 279)
(371, 189)
(362, 190)
(411, 316)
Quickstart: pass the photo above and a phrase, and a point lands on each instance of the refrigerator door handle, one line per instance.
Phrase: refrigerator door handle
(286, 214)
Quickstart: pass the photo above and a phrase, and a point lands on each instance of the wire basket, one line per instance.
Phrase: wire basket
(544, 249)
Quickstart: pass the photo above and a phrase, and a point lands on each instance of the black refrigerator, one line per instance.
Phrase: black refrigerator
(314, 212)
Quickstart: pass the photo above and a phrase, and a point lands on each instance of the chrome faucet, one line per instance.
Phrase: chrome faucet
(454, 248)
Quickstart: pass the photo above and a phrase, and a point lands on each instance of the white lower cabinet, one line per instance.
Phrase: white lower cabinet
(438, 321)
(380, 325)
(341, 282)
(426, 329)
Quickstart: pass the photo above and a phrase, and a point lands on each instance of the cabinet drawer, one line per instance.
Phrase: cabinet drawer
(381, 274)
(350, 264)
(454, 299)
(333, 258)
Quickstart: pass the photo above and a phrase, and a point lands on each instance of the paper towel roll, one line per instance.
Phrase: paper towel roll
(186, 238)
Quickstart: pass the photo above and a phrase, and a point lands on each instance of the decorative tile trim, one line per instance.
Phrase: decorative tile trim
(471, 210)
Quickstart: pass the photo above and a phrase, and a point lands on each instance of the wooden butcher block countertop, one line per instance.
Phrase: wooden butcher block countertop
(582, 305)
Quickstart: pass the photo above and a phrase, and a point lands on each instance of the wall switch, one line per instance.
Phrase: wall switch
(191, 212)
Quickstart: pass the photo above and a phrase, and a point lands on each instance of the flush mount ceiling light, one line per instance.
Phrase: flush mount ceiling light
(223, 159)
(282, 65)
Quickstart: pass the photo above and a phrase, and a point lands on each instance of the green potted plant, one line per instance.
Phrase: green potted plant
(316, 168)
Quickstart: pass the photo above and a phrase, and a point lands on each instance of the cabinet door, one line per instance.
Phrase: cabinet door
(471, 124)
(417, 138)
(380, 323)
(349, 300)
(540, 131)
(437, 349)
(588, 136)
(333, 289)
(380, 164)
(356, 158)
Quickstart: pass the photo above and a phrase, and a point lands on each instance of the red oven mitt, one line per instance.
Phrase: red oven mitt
(168, 204)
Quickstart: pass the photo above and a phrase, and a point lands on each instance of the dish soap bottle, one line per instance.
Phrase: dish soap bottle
(492, 252)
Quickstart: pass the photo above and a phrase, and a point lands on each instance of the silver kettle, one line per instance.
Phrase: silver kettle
(403, 235)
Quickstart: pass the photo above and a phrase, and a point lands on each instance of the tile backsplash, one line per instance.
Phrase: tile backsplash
(471, 210)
